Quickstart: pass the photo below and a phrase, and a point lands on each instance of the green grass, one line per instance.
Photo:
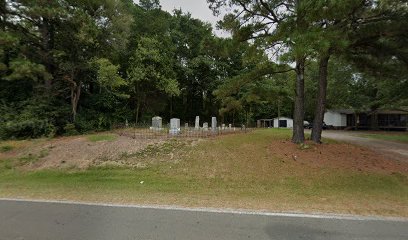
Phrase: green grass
(13, 163)
(154, 150)
(388, 137)
(6, 148)
(363, 191)
(102, 137)
(236, 171)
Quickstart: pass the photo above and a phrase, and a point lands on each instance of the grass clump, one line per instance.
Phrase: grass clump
(304, 146)
(165, 148)
(14, 163)
(388, 137)
(6, 148)
(158, 149)
(102, 137)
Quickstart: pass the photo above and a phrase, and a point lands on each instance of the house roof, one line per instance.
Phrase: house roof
(384, 111)
(343, 111)
(402, 110)
(283, 118)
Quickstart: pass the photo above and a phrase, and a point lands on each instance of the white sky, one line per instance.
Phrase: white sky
(198, 9)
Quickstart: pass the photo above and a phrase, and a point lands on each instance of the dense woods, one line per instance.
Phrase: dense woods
(72, 66)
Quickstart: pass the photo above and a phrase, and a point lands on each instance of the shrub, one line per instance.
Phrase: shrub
(26, 129)
(70, 130)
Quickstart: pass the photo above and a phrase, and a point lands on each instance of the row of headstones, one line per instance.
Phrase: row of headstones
(157, 124)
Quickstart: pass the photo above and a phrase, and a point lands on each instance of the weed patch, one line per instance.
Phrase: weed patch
(154, 150)
(6, 148)
(13, 163)
(102, 137)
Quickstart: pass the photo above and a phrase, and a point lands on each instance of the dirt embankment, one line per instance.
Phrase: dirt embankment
(81, 153)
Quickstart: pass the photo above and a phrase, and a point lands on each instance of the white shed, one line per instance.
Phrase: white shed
(335, 118)
(283, 122)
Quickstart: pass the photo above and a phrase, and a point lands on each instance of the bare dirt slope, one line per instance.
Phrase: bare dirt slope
(75, 152)
(390, 149)
(81, 153)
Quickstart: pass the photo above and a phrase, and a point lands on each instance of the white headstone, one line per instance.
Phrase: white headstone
(174, 126)
(214, 124)
(205, 126)
(230, 126)
(197, 122)
(186, 125)
(223, 126)
(157, 123)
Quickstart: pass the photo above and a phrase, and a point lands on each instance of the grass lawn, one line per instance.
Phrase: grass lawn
(389, 137)
(233, 171)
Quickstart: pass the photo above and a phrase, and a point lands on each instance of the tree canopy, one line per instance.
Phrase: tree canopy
(73, 66)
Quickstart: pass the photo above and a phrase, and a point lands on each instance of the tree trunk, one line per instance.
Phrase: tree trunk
(137, 110)
(321, 100)
(6, 54)
(75, 95)
(299, 111)
(47, 35)
(374, 121)
(279, 112)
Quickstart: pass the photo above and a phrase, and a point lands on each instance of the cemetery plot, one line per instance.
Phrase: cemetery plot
(175, 130)
(126, 147)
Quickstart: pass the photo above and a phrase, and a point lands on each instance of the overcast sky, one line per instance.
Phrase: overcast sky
(198, 9)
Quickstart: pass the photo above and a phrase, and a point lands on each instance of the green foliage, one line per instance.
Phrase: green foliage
(24, 69)
(70, 130)
(150, 4)
(150, 65)
(108, 74)
(29, 128)
(69, 67)
(101, 137)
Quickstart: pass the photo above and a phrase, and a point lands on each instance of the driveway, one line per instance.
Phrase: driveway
(395, 150)
(46, 220)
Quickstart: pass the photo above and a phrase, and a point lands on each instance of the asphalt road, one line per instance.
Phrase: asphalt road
(36, 220)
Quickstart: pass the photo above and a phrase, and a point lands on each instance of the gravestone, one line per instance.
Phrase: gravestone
(197, 122)
(157, 123)
(223, 126)
(205, 126)
(126, 124)
(214, 124)
(230, 126)
(186, 125)
(174, 126)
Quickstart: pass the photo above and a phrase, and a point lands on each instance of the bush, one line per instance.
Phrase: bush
(26, 129)
(70, 130)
